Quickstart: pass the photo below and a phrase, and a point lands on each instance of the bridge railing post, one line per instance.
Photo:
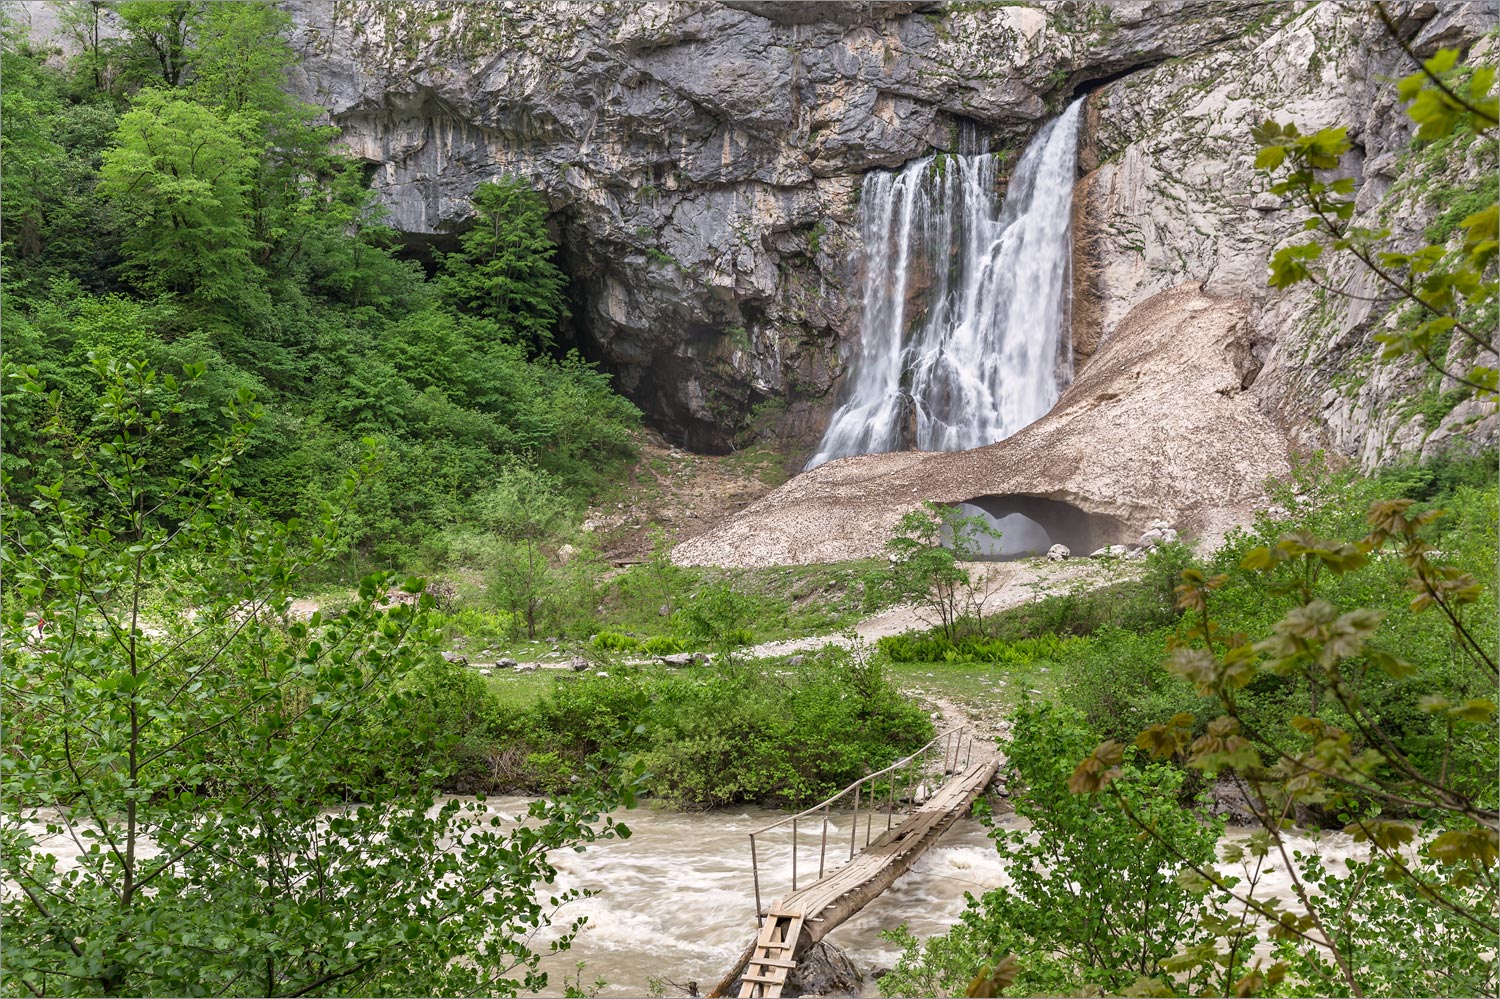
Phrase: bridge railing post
(823, 846)
(755, 871)
(794, 855)
(854, 826)
(890, 808)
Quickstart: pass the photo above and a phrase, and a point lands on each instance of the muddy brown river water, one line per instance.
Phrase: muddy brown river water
(674, 903)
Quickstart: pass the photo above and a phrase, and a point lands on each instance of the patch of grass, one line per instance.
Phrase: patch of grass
(984, 690)
(514, 692)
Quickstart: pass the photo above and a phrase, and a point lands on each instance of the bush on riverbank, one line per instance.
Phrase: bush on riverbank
(708, 735)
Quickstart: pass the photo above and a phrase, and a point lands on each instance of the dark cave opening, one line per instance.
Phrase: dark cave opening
(1029, 525)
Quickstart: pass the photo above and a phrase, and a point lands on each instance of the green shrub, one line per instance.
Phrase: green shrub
(1076, 914)
(724, 736)
(664, 645)
(609, 641)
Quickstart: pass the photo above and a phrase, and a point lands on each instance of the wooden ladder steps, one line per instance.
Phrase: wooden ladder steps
(766, 973)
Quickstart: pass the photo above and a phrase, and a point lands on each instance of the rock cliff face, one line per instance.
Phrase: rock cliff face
(704, 163)
(704, 159)
(1170, 194)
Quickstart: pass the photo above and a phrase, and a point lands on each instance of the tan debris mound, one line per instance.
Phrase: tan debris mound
(1157, 425)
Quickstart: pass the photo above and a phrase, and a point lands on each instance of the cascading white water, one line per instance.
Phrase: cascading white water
(991, 352)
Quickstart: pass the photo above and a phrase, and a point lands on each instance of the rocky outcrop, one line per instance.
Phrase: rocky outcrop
(1170, 194)
(1131, 440)
(704, 160)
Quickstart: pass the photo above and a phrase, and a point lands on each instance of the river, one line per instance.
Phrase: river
(674, 903)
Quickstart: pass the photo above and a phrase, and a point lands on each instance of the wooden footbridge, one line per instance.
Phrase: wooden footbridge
(926, 792)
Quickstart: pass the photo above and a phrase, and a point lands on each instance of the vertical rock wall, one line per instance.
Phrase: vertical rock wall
(704, 159)
(1170, 195)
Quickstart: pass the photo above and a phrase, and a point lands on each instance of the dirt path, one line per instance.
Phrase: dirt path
(1003, 584)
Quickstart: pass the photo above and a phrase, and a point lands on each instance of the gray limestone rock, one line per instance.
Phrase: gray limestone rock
(703, 160)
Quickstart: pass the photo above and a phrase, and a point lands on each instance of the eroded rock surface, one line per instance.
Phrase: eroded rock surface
(704, 159)
(1131, 440)
(1171, 194)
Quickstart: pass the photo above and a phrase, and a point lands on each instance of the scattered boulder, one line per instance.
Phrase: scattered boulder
(485, 672)
(505, 662)
(679, 659)
(1161, 533)
(566, 552)
(701, 658)
(455, 658)
(665, 610)
(1058, 553)
(824, 970)
(1111, 551)
(1232, 804)
(578, 664)
(526, 667)
(797, 660)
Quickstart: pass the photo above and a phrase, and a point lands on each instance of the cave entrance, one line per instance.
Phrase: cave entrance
(1029, 525)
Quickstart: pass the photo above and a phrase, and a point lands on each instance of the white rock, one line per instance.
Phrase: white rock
(1110, 551)
(1265, 201)
(485, 672)
(1058, 552)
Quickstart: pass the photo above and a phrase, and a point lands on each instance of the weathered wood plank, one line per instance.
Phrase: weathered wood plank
(808, 915)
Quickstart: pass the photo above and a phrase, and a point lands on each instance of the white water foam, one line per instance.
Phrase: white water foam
(990, 354)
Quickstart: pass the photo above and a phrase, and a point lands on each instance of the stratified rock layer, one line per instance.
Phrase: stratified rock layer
(1133, 440)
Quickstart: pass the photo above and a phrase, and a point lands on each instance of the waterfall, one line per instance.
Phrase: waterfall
(963, 340)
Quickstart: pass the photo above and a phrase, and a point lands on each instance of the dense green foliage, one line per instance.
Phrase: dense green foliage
(1089, 906)
(167, 202)
(708, 735)
(252, 800)
(1119, 685)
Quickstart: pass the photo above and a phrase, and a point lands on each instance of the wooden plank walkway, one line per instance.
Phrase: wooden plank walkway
(804, 917)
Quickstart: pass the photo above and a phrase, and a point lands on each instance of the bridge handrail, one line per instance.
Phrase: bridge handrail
(950, 750)
(959, 730)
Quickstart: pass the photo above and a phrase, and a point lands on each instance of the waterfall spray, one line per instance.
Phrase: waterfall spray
(990, 353)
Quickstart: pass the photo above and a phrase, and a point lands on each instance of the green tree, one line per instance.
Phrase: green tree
(33, 157)
(925, 553)
(1090, 906)
(242, 56)
(505, 269)
(158, 39)
(189, 746)
(181, 173)
(525, 511)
